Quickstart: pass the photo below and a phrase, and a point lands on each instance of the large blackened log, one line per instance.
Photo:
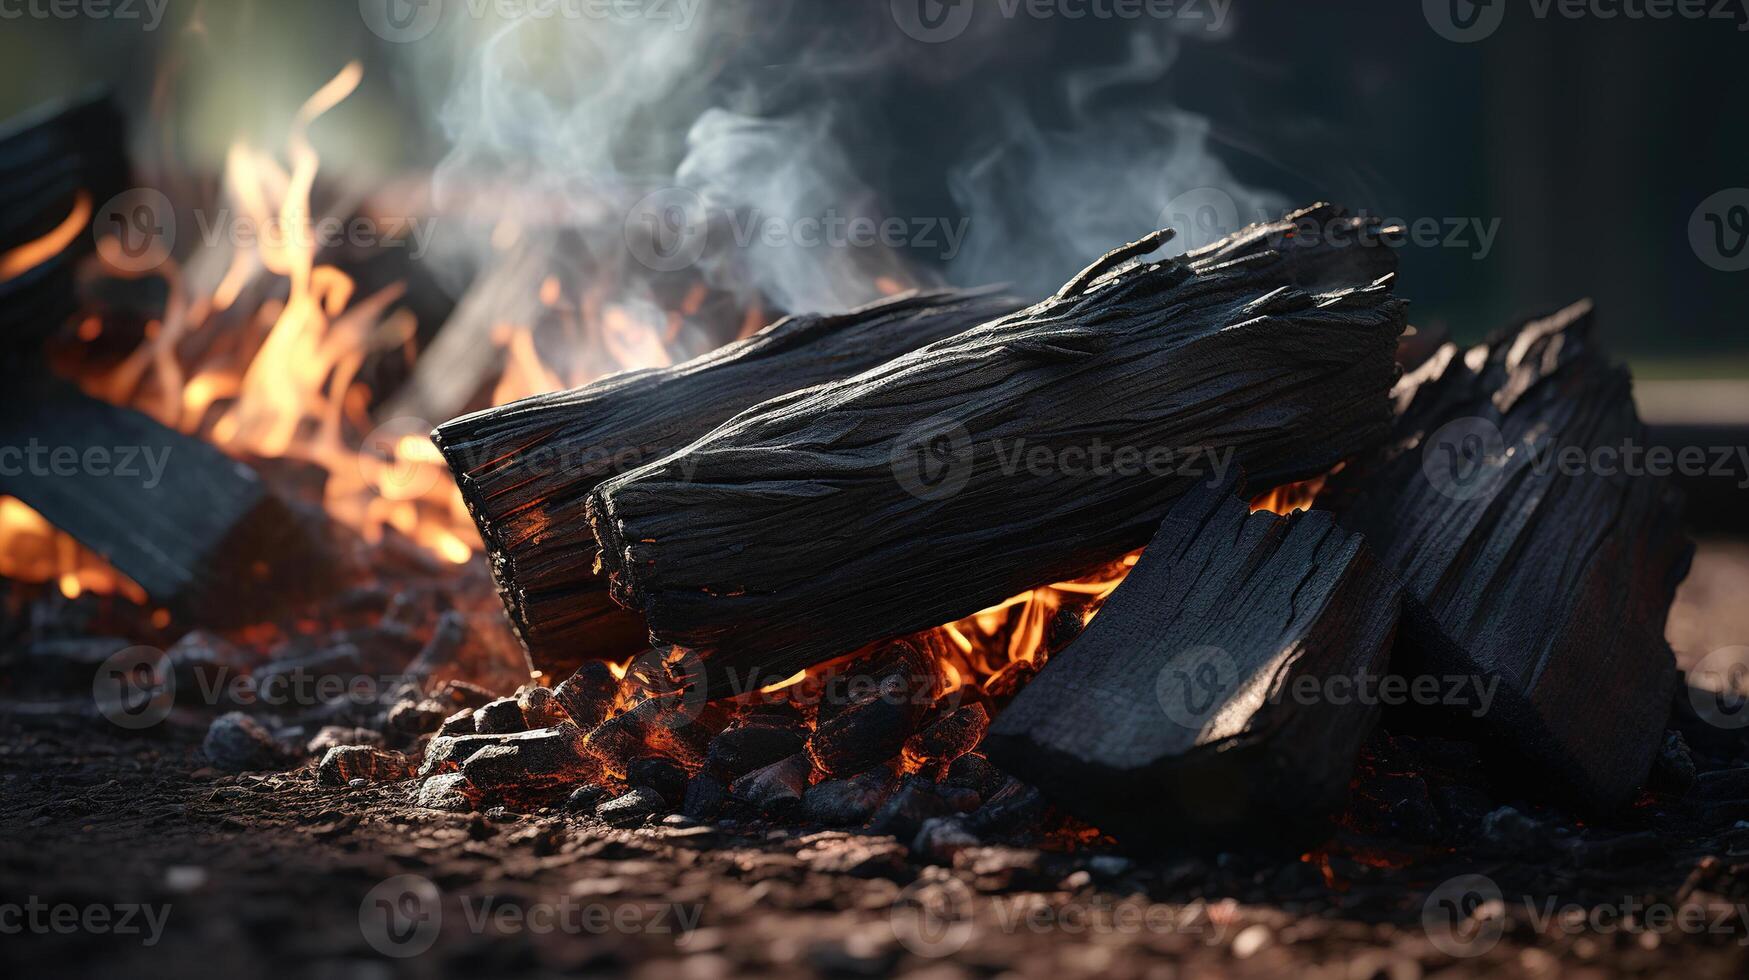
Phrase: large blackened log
(910, 495)
(1538, 568)
(526, 469)
(1221, 693)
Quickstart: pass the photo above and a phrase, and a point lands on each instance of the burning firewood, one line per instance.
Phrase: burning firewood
(1218, 691)
(914, 493)
(197, 530)
(58, 167)
(1533, 571)
(525, 469)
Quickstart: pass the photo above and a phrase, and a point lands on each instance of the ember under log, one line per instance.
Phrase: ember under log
(1536, 566)
(526, 469)
(1027, 450)
(1216, 695)
(197, 530)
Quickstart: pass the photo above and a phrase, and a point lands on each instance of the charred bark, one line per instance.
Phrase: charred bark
(964, 473)
(1537, 568)
(526, 469)
(1219, 692)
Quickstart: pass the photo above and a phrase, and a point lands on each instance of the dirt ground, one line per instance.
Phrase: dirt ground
(124, 855)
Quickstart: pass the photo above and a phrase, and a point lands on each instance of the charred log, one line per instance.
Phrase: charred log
(197, 530)
(525, 469)
(1531, 571)
(911, 495)
(1212, 696)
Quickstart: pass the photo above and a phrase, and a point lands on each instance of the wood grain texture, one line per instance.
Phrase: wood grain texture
(1551, 578)
(526, 469)
(893, 501)
(1215, 694)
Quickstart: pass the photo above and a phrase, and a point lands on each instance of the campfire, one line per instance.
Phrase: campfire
(1135, 567)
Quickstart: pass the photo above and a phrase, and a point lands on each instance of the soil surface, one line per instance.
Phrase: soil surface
(124, 854)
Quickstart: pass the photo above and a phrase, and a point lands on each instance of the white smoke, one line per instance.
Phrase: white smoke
(576, 120)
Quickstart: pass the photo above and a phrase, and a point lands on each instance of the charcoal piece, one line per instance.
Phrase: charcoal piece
(448, 791)
(974, 772)
(775, 789)
(525, 468)
(460, 723)
(550, 751)
(540, 708)
(738, 751)
(236, 742)
(665, 776)
(704, 798)
(197, 530)
(847, 802)
(911, 495)
(1536, 567)
(950, 737)
(417, 717)
(939, 839)
(205, 661)
(902, 815)
(632, 808)
(1216, 695)
(345, 763)
(585, 798)
(500, 717)
(1013, 808)
(870, 706)
(331, 736)
(1673, 770)
(588, 694)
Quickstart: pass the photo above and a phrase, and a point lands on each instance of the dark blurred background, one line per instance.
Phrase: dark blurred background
(1587, 143)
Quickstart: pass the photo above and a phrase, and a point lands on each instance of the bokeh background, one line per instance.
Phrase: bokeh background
(1590, 141)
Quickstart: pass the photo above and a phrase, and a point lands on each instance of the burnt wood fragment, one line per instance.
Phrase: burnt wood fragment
(525, 469)
(905, 497)
(1537, 567)
(1215, 694)
(197, 530)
